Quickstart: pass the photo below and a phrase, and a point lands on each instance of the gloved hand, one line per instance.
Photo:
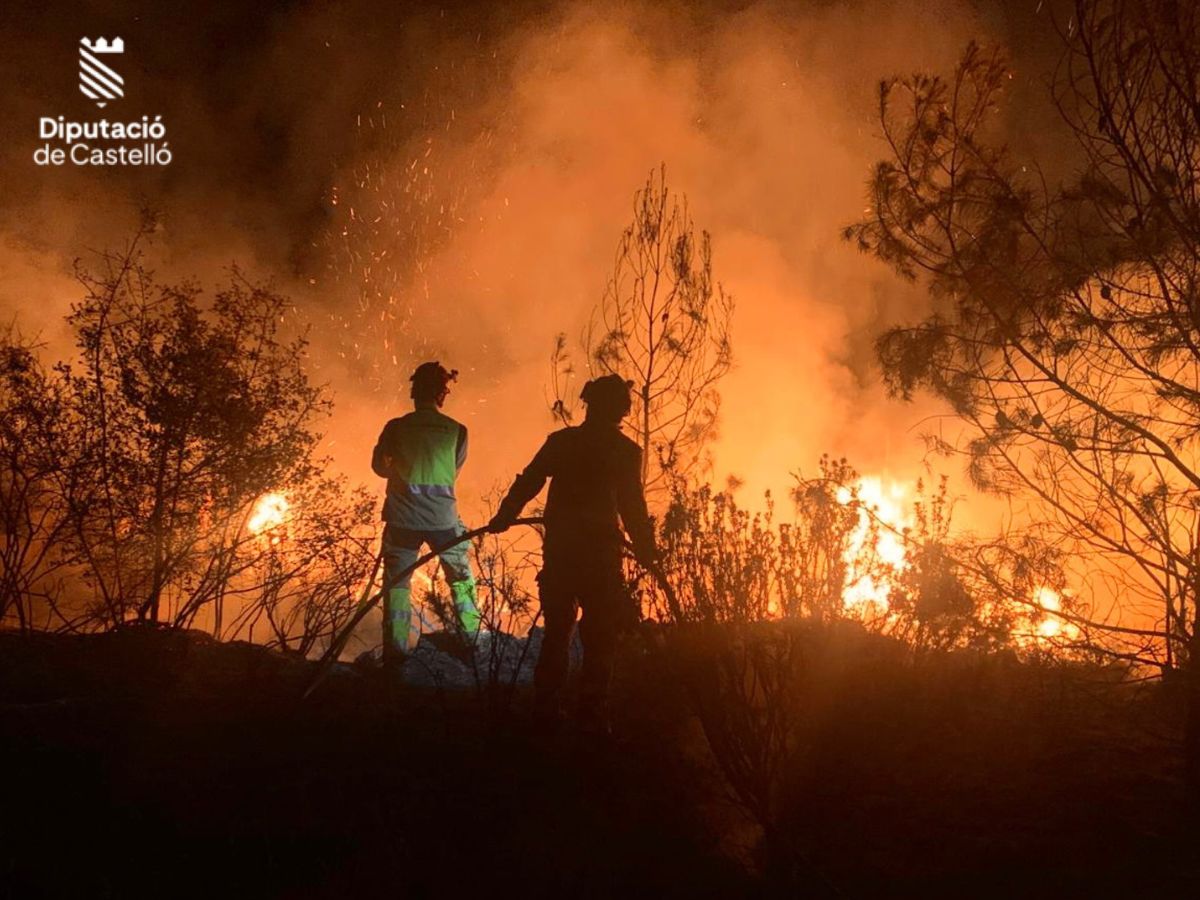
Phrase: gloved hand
(383, 465)
(500, 523)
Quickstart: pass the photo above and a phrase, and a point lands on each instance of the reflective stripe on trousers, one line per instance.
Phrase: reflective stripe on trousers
(401, 548)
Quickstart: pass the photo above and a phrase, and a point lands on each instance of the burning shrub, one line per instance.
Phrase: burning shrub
(761, 610)
(731, 565)
(934, 600)
(303, 568)
(134, 467)
(741, 590)
(185, 409)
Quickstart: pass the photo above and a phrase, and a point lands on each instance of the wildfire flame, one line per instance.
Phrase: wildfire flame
(1051, 626)
(867, 592)
(269, 513)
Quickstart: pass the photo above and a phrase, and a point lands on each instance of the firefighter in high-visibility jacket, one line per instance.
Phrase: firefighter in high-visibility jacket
(420, 455)
(595, 475)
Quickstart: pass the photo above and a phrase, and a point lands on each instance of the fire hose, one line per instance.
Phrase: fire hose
(368, 600)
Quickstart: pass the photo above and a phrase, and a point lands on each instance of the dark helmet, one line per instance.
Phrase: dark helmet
(431, 381)
(609, 397)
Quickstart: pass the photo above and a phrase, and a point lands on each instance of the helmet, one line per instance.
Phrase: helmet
(609, 397)
(431, 381)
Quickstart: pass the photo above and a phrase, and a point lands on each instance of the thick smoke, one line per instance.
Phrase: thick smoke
(500, 152)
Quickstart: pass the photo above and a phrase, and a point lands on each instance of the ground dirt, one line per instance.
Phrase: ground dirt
(149, 762)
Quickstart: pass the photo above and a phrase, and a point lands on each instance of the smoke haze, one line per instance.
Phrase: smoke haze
(452, 183)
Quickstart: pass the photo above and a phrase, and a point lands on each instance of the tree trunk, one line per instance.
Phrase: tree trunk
(1191, 728)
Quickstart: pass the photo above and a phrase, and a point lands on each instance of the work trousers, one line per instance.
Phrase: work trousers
(572, 580)
(401, 548)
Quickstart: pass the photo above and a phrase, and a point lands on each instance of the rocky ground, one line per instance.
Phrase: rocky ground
(453, 662)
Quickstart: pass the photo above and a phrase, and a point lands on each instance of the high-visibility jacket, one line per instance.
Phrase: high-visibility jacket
(420, 454)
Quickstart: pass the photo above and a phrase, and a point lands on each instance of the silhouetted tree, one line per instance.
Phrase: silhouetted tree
(34, 486)
(663, 323)
(296, 582)
(130, 474)
(185, 410)
(1065, 321)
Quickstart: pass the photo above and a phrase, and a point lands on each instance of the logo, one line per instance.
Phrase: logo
(97, 80)
(133, 141)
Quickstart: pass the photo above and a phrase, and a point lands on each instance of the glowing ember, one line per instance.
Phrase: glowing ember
(270, 512)
(867, 592)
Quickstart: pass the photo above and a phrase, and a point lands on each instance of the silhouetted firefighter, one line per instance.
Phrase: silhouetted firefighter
(420, 455)
(595, 476)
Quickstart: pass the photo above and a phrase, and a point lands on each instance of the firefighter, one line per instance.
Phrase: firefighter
(595, 475)
(420, 455)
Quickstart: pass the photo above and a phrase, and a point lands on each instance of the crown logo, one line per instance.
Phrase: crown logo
(101, 45)
(98, 80)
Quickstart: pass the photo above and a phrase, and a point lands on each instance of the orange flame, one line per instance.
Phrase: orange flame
(865, 592)
(269, 514)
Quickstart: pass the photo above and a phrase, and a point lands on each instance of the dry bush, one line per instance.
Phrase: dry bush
(774, 664)
(302, 579)
(33, 488)
(740, 586)
(132, 467)
(506, 567)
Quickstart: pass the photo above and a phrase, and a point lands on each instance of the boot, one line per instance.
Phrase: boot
(465, 605)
